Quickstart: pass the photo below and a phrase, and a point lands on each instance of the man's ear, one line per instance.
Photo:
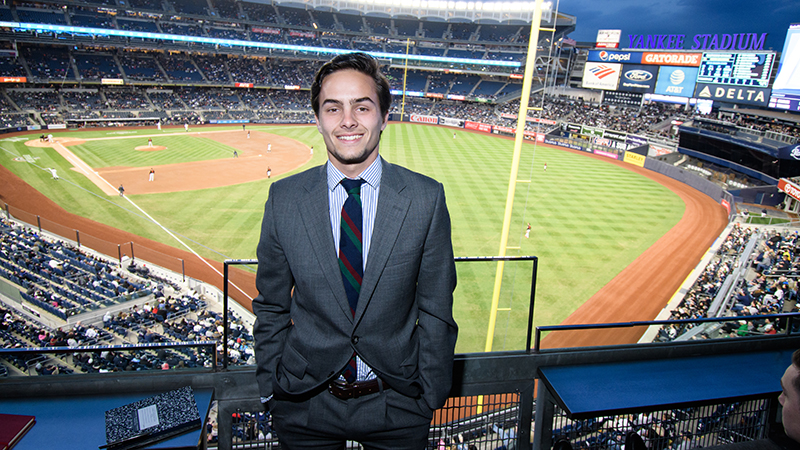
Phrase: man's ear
(385, 121)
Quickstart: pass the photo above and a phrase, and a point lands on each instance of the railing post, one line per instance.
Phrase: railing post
(543, 428)
(119, 254)
(39, 223)
(526, 401)
(225, 315)
(133, 258)
(78, 238)
(183, 270)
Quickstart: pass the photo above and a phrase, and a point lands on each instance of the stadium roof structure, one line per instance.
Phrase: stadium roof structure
(505, 12)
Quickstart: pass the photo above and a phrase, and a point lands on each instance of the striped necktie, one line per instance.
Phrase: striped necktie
(350, 255)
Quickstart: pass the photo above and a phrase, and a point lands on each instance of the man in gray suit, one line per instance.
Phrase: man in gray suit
(372, 366)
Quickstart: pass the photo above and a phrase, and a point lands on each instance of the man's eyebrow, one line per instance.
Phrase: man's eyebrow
(362, 99)
(331, 100)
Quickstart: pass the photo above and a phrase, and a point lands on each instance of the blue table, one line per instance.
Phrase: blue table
(79, 422)
(616, 388)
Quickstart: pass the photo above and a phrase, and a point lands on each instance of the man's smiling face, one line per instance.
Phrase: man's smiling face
(350, 120)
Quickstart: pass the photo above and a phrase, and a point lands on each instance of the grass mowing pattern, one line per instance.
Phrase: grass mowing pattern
(590, 219)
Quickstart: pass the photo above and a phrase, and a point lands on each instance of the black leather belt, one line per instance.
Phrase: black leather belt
(345, 391)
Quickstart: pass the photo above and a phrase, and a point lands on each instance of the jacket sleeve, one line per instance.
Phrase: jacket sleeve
(271, 306)
(435, 285)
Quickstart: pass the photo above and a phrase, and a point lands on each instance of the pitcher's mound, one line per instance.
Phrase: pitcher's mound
(147, 148)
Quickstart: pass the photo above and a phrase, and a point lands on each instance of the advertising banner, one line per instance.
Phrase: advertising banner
(633, 158)
(418, 118)
(615, 56)
(659, 150)
(568, 145)
(789, 152)
(635, 141)
(610, 143)
(791, 189)
(677, 81)
(591, 131)
(451, 122)
(615, 135)
(638, 78)
(13, 79)
(601, 75)
(606, 154)
(608, 38)
(672, 59)
(485, 127)
(747, 95)
(725, 204)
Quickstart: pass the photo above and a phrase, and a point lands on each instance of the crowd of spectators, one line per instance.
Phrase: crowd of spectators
(768, 286)
(762, 124)
(168, 313)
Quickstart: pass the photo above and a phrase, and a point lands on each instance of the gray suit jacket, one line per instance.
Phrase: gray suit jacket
(403, 326)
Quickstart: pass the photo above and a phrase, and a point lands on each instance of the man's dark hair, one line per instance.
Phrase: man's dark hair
(360, 62)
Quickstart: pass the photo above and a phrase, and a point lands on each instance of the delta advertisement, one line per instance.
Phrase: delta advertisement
(601, 75)
(734, 94)
(676, 81)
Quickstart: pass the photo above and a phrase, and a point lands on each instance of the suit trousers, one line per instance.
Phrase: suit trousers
(383, 420)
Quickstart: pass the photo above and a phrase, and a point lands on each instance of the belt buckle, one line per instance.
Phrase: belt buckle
(341, 389)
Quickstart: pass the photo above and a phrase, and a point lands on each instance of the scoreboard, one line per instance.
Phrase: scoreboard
(736, 68)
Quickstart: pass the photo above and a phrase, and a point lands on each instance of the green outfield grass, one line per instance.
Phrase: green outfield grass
(589, 218)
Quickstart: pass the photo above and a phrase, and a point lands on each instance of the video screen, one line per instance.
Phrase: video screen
(786, 89)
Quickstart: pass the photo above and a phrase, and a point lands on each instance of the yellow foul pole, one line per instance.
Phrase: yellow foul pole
(512, 181)
(405, 77)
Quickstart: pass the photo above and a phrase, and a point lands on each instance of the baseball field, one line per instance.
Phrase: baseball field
(614, 241)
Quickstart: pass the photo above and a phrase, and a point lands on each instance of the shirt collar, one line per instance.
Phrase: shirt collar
(371, 175)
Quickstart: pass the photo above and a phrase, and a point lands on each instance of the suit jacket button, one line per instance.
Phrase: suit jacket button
(354, 340)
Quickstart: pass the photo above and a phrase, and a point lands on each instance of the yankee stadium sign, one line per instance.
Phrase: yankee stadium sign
(736, 41)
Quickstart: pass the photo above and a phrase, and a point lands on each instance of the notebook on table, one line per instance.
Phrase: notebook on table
(151, 420)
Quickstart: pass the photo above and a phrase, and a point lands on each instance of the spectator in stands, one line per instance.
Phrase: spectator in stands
(790, 398)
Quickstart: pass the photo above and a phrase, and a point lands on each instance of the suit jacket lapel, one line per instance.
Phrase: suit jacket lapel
(313, 209)
(389, 218)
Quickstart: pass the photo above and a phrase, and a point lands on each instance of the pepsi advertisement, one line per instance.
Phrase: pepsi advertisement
(638, 78)
(615, 57)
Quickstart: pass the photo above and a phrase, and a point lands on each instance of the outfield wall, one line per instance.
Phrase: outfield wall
(707, 187)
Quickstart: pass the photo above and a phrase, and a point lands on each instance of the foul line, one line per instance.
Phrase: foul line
(77, 162)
